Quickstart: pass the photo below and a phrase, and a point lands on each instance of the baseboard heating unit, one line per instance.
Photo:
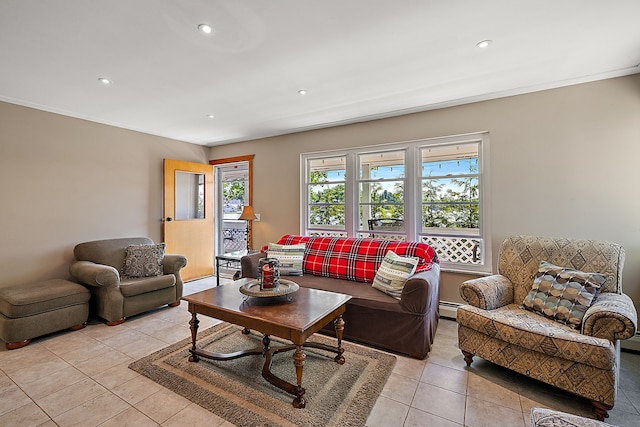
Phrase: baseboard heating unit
(632, 343)
(448, 309)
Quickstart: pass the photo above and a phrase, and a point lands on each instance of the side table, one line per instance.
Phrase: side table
(230, 258)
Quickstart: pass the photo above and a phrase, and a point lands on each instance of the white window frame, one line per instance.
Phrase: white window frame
(358, 180)
(412, 193)
(338, 230)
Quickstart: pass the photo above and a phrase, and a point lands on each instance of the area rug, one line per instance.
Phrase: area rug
(336, 395)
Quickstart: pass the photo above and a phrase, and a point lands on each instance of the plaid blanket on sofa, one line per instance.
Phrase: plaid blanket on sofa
(355, 259)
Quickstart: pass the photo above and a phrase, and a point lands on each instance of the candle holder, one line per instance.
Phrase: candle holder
(269, 277)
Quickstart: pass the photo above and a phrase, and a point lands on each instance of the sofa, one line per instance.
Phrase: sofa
(405, 323)
(127, 276)
(555, 312)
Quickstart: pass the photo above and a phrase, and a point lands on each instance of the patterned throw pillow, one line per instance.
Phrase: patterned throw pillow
(563, 294)
(143, 260)
(393, 273)
(290, 257)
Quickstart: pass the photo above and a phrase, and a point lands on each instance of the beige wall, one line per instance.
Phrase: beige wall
(564, 162)
(64, 181)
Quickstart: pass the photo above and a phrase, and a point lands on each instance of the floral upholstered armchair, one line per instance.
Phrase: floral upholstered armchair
(554, 312)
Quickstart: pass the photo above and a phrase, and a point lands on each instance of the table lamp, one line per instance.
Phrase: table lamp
(248, 215)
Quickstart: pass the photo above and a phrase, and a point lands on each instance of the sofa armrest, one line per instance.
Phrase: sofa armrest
(172, 263)
(488, 292)
(90, 273)
(612, 316)
(421, 292)
(249, 265)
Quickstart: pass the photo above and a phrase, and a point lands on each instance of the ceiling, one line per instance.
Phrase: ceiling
(357, 59)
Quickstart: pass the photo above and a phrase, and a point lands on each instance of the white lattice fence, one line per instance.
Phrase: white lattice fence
(384, 236)
(327, 233)
(462, 250)
(235, 239)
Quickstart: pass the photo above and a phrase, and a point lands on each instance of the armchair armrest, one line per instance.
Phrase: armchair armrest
(249, 265)
(172, 263)
(90, 273)
(421, 291)
(612, 316)
(487, 293)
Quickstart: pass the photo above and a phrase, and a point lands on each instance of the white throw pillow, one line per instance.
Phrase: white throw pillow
(290, 257)
(393, 273)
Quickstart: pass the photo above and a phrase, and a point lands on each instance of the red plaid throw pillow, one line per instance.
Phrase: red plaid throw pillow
(291, 239)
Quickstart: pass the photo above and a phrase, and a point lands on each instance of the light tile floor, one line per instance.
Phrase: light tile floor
(82, 378)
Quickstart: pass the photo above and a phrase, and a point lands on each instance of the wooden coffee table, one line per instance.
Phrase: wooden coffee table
(294, 317)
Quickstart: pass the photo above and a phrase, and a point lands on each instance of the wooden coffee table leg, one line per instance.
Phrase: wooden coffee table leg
(194, 331)
(339, 324)
(298, 361)
(266, 343)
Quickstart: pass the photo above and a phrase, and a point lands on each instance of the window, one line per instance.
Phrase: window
(326, 196)
(450, 207)
(381, 183)
(189, 195)
(429, 190)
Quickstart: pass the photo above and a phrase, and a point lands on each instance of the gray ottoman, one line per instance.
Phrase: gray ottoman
(35, 309)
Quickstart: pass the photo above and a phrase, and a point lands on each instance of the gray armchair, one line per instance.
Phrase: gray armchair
(99, 265)
(583, 361)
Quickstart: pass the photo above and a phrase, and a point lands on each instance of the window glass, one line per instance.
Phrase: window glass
(381, 188)
(386, 165)
(327, 215)
(189, 195)
(326, 189)
(450, 187)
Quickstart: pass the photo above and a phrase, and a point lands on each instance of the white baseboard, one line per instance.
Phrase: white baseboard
(632, 343)
(448, 310)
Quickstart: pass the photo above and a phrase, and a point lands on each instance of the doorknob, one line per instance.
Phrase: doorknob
(169, 219)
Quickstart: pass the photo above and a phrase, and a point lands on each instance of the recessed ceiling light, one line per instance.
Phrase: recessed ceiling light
(484, 44)
(105, 80)
(211, 116)
(302, 92)
(205, 28)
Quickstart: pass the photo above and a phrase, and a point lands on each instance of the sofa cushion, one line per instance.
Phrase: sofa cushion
(393, 273)
(526, 329)
(356, 259)
(39, 297)
(290, 257)
(140, 285)
(361, 293)
(143, 260)
(563, 294)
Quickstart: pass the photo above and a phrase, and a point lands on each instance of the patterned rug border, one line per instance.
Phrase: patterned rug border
(233, 408)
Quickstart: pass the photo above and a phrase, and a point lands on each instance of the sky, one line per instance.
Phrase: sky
(441, 168)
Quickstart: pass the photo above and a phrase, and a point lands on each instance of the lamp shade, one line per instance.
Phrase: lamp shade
(248, 214)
